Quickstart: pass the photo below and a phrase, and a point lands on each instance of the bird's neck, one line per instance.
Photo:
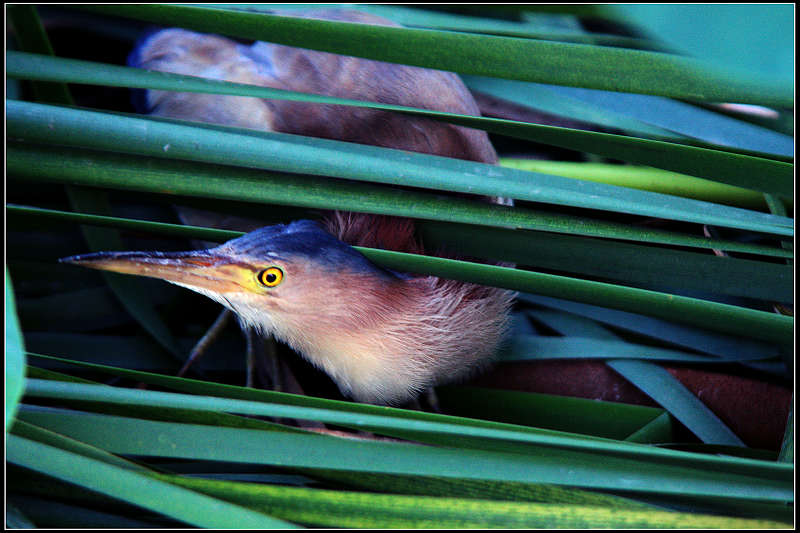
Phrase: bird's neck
(374, 231)
(355, 340)
(399, 338)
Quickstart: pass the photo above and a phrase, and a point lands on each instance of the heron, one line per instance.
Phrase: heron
(382, 336)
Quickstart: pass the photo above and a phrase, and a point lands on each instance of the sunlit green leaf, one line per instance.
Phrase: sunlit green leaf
(363, 509)
(646, 178)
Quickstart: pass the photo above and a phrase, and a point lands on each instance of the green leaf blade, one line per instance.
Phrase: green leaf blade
(15, 357)
(305, 155)
(133, 487)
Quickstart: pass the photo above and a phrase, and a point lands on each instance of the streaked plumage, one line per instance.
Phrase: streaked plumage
(383, 337)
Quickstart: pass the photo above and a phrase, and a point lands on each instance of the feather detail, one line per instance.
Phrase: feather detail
(389, 341)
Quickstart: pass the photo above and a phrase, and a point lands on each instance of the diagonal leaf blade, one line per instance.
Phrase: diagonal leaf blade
(246, 185)
(675, 398)
(15, 357)
(288, 153)
(135, 488)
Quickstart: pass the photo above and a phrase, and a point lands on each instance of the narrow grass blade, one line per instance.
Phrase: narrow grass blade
(787, 447)
(31, 36)
(173, 501)
(534, 347)
(624, 263)
(647, 179)
(44, 436)
(43, 373)
(675, 398)
(159, 228)
(686, 336)
(574, 415)
(15, 356)
(191, 386)
(177, 415)
(532, 29)
(709, 315)
(687, 120)
(571, 325)
(160, 413)
(660, 429)
(544, 98)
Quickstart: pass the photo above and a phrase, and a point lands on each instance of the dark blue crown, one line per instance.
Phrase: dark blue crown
(304, 240)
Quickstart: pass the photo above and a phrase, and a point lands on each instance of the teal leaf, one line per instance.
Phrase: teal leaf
(662, 386)
(15, 356)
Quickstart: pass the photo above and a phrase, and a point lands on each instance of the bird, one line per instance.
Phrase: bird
(384, 337)
(381, 336)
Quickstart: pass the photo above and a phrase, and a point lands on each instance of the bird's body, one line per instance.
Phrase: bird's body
(297, 69)
(383, 337)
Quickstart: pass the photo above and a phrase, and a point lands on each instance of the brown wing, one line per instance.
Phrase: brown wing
(296, 69)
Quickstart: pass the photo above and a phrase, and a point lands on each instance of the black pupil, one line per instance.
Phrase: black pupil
(271, 277)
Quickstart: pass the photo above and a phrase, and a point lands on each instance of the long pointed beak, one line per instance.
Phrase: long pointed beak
(203, 269)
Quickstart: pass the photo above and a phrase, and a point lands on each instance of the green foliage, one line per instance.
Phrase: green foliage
(632, 265)
(15, 356)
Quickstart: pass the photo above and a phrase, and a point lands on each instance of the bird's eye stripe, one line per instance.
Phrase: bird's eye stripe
(270, 277)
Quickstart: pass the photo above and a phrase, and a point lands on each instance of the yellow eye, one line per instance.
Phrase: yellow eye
(270, 277)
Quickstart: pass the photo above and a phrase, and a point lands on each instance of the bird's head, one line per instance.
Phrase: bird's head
(285, 279)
